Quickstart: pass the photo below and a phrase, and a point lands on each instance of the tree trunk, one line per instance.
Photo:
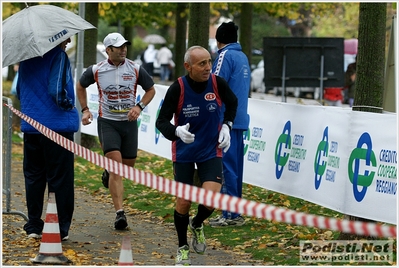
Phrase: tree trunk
(181, 36)
(198, 25)
(90, 36)
(245, 32)
(90, 57)
(128, 34)
(246, 29)
(370, 66)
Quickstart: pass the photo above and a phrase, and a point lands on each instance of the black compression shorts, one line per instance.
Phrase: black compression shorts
(118, 136)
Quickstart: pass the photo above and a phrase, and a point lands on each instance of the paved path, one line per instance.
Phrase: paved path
(93, 241)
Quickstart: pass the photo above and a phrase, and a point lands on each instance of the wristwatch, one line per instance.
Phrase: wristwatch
(229, 124)
(85, 109)
(141, 105)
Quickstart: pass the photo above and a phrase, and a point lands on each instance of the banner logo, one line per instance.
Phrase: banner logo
(246, 137)
(283, 144)
(368, 157)
(320, 164)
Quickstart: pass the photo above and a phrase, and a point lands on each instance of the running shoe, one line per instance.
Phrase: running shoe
(215, 219)
(183, 256)
(198, 240)
(223, 222)
(120, 221)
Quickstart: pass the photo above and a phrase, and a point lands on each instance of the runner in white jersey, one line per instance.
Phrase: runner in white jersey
(117, 79)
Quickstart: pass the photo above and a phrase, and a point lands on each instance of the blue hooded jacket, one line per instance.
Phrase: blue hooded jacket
(232, 64)
(46, 91)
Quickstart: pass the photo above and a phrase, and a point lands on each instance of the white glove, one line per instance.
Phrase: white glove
(183, 133)
(224, 138)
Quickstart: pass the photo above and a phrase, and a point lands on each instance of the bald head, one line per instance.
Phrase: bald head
(198, 63)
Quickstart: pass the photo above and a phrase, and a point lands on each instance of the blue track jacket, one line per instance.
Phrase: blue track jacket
(232, 64)
(46, 90)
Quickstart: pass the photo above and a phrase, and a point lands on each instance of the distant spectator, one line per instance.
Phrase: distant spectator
(150, 55)
(164, 57)
(142, 57)
(350, 82)
(333, 96)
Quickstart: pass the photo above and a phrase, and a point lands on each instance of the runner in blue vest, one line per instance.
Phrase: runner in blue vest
(199, 134)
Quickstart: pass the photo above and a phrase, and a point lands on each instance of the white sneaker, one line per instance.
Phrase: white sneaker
(34, 235)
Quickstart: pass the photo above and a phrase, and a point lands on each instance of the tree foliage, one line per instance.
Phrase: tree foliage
(148, 15)
(342, 22)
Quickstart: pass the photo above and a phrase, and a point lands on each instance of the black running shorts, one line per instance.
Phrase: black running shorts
(118, 136)
(210, 170)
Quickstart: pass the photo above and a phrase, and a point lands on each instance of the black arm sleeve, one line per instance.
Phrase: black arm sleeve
(87, 77)
(167, 111)
(145, 80)
(228, 98)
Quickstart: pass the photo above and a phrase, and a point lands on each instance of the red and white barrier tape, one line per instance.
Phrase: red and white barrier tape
(213, 199)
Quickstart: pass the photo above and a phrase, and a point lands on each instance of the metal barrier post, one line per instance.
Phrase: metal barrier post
(7, 138)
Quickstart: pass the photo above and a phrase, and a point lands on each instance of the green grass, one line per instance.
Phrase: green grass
(269, 242)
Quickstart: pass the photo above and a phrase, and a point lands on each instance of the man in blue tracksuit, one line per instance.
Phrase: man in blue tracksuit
(232, 64)
(46, 91)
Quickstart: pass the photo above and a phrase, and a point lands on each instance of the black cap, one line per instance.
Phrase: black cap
(227, 33)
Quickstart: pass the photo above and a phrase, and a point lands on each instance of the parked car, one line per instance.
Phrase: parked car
(257, 79)
(257, 75)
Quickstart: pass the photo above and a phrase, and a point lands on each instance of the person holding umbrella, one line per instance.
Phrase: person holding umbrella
(45, 89)
(36, 37)
(117, 78)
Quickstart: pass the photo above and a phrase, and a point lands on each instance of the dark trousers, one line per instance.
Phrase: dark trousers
(47, 163)
(149, 67)
(233, 169)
